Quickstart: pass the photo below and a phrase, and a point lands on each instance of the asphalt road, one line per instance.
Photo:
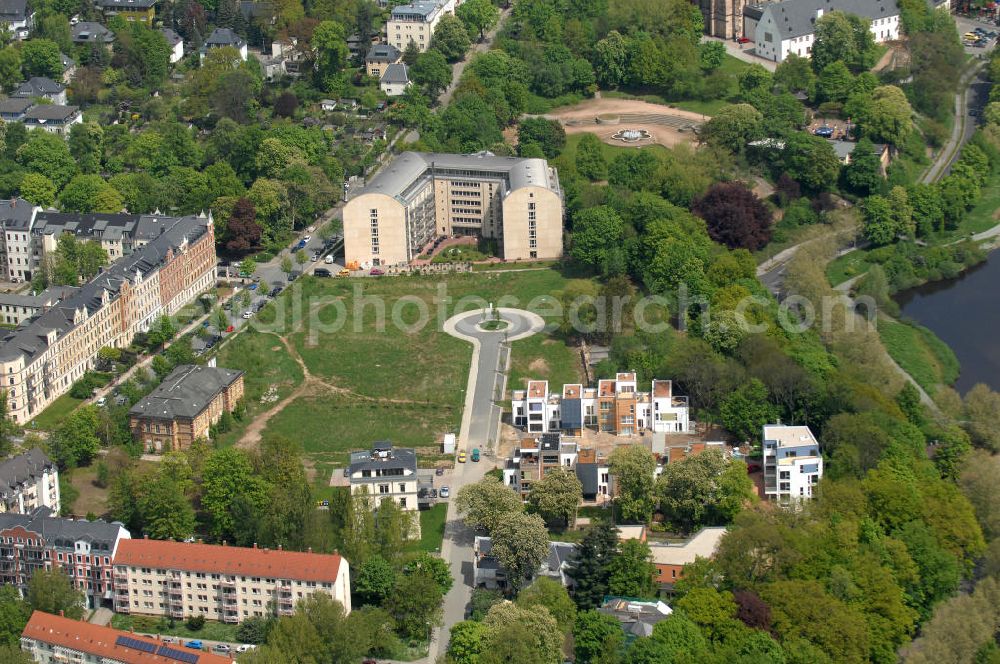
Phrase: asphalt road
(487, 379)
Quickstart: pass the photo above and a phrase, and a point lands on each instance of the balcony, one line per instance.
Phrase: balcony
(286, 611)
(177, 612)
(229, 600)
(231, 617)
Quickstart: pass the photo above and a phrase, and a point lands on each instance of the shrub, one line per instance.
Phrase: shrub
(195, 623)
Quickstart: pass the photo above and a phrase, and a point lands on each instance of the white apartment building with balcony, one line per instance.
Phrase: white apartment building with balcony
(415, 22)
(29, 481)
(614, 406)
(793, 464)
(224, 583)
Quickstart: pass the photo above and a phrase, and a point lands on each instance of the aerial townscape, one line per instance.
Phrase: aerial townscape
(499, 331)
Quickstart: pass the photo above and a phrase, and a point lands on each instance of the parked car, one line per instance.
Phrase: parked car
(292, 276)
(315, 257)
(744, 40)
(461, 457)
(100, 402)
(247, 315)
(306, 239)
(275, 292)
(824, 131)
(196, 644)
(475, 455)
(376, 272)
(322, 272)
(328, 260)
(344, 273)
(229, 329)
(222, 648)
(445, 491)
(439, 470)
(246, 647)
(252, 287)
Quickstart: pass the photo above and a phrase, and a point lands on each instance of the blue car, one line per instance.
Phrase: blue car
(824, 131)
(300, 245)
(193, 644)
(252, 286)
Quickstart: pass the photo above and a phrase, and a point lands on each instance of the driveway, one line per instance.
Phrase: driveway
(481, 417)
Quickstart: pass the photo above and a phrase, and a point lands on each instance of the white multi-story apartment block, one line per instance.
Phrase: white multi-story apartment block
(421, 196)
(793, 464)
(779, 29)
(41, 359)
(614, 406)
(224, 583)
(51, 639)
(415, 22)
(29, 481)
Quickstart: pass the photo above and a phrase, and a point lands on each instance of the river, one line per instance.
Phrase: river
(965, 313)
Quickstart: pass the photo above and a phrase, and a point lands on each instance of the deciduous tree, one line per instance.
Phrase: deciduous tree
(450, 38)
(551, 594)
(485, 502)
(631, 571)
(478, 16)
(557, 496)
(51, 591)
(632, 467)
(735, 216)
(520, 544)
(703, 490)
(597, 637)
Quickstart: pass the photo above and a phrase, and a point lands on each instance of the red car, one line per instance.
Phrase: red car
(376, 272)
(229, 329)
(743, 40)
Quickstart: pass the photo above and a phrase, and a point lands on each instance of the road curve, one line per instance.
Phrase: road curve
(487, 380)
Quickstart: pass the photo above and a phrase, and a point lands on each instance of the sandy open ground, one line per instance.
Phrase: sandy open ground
(605, 117)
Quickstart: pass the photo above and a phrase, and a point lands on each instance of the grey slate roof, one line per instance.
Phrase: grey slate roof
(383, 53)
(29, 340)
(396, 73)
(172, 37)
(797, 18)
(424, 9)
(116, 4)
(15, 214)
(223, 37)
(88, 31)
(13, 10)
(38, 86)
(15, 105)
(51, 112)
(47, 297)
(185, 393)
(14, 472)
(62, 533)
(409, 167)
(587, 474)
(383, 456)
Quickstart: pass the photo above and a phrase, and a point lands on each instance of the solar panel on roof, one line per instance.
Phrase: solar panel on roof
(179, 655)
(135, 644)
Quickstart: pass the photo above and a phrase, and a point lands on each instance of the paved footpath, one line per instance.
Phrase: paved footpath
(480, 419)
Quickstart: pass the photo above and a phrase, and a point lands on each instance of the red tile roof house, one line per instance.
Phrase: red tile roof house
(51, 639)
(224, 583)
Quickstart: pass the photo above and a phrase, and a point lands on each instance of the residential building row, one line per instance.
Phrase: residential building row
(83, 549)
(16, 308)
(41, 360)
(420, 196)
(670, 560)
(31, 234)
(29, 481)
(779, 29)
(614, 406)
(534, 458)
(165, 578)
(52, 639)
(183, 408)
(53, 118)
(224, 583)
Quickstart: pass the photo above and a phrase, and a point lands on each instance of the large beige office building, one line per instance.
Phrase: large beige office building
(421, 196)
(224, 583)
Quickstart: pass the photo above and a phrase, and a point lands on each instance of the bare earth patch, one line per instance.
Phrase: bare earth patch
(539, 366)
